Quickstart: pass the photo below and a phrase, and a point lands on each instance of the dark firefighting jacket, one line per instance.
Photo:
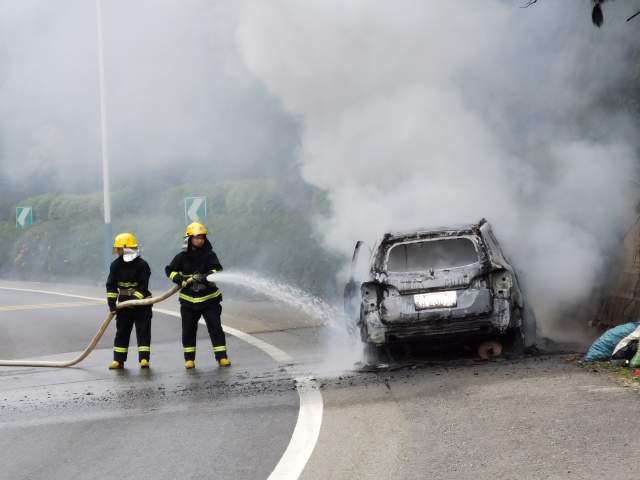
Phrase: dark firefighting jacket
(127, 281)
(192, 261)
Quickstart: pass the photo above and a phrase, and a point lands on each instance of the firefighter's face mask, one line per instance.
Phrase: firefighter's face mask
(130, 254)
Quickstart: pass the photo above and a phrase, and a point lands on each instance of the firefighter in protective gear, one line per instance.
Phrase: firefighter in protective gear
(129, 280)
(199, 298)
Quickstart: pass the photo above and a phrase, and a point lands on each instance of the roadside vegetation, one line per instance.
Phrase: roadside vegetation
(260, 225)
(627, 376)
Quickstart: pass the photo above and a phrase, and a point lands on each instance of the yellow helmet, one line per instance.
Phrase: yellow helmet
(195, 228)
(125, 240)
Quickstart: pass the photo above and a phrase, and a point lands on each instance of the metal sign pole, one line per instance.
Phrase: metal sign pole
(106, 188)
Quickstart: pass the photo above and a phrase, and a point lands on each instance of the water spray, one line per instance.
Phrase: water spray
(344, 349)
(280, 292)
(284, 293)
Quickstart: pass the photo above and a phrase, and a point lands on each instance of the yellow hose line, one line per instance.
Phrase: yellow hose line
(96, 338)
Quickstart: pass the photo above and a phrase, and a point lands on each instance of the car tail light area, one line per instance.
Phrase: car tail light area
(502, 283)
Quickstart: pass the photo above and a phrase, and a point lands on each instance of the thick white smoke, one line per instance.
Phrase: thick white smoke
(179, 101)
(431, 113)
(413, 112)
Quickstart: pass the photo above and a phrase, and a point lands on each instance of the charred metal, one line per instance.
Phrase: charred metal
(450, 282)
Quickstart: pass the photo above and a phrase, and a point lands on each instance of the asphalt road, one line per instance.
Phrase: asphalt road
(166, 422)
(457, 418)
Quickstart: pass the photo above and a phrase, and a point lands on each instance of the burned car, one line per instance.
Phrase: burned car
(437, 284)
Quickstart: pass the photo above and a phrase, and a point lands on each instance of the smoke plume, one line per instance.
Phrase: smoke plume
(411, 113)
(432, 113)
(180, 105)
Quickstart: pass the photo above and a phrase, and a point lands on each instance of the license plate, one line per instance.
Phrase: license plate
(435, 300)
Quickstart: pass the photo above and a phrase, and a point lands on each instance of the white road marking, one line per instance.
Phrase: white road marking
(46, 306)
(602, 389)
(307, 429)
(48, 292)
(306, 433)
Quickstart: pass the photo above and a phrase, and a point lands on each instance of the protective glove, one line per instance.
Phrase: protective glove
(179, 279)
(112, 305)
(199, 278)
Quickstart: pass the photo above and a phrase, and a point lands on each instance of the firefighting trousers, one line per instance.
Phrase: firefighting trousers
(211, 311)
(126, 319)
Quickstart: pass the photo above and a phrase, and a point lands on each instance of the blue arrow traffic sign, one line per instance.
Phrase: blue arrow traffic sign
(24, 217)
(195, 209)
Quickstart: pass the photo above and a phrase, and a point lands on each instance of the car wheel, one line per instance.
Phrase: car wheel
(490, 349)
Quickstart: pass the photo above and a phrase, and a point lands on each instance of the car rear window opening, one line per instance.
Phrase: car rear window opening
(432, 254)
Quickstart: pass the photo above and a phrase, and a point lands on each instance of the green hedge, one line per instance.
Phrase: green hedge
(260, 225)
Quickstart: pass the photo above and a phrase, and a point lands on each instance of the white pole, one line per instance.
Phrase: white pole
(104, 140)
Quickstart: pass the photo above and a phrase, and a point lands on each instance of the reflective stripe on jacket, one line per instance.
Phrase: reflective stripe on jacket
(128, 280)
(190, 262)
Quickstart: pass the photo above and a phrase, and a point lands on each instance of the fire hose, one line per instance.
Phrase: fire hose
(96, 338)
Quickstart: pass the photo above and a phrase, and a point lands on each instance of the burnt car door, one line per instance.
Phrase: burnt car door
(352, 289)
(499, 261)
